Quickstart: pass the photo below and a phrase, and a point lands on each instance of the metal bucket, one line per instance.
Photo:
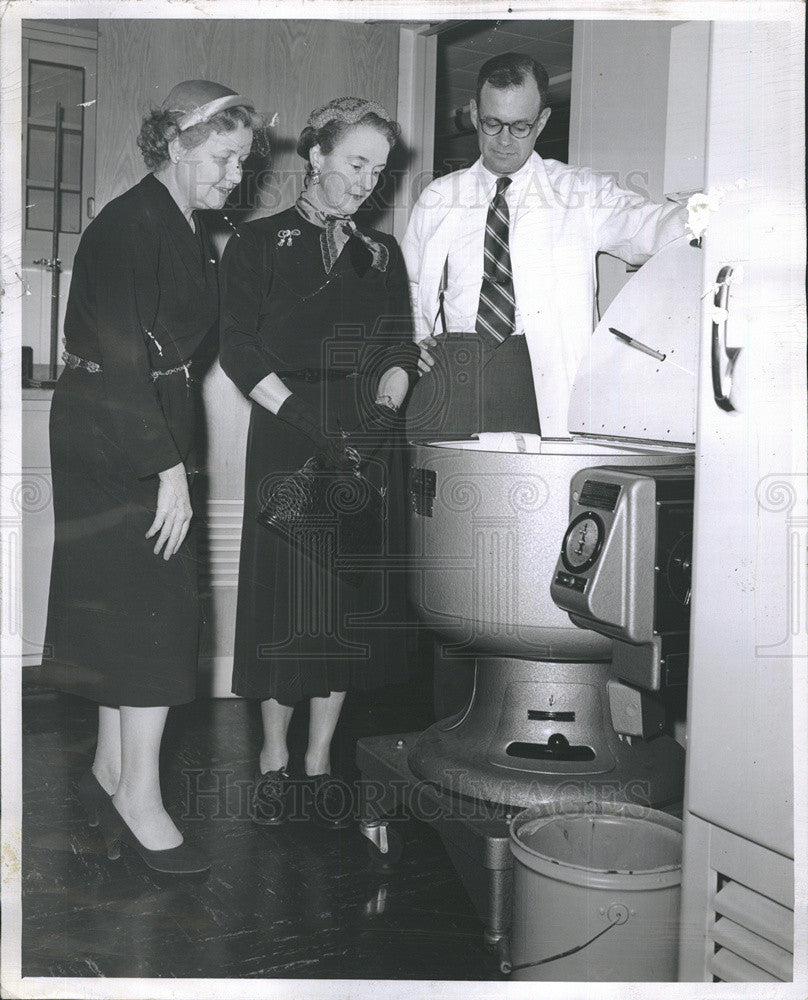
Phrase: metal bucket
(596, 895)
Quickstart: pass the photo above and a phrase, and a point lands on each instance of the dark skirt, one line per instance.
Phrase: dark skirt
(123, 623)
(301, 631)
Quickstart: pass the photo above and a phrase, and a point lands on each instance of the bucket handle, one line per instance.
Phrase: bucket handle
(617, 915)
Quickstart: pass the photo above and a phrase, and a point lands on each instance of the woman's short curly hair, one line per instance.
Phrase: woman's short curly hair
(160, 127)
(329, 134)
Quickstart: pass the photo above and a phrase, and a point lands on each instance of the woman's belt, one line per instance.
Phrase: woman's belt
(316, 374)
(74, 361)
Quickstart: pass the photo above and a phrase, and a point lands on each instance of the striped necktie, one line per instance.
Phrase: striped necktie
(496, 312)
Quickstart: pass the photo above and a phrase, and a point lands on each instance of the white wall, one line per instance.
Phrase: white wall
(618, 112)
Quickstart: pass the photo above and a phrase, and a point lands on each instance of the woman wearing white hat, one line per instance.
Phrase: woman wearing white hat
(140, 325)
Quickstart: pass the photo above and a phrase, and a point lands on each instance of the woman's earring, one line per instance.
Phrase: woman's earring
(315, 176)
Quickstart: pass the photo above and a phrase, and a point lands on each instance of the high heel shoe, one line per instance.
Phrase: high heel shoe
(180, 860)
(92, 795)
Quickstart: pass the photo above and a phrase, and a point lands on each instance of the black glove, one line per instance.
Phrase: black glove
(378, 427)
(380, 420)
(299, 414)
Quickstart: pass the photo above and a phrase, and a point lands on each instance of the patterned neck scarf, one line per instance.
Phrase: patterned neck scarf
(337, 230)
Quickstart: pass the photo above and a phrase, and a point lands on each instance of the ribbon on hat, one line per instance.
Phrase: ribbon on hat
(337, 230)
(196, 101)
(208, 110)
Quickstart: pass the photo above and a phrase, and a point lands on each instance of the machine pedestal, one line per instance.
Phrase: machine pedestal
(475, 834)
(537, 732)
(463, 777)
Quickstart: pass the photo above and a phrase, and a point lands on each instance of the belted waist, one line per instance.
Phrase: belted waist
(316, 374)
(74, 361)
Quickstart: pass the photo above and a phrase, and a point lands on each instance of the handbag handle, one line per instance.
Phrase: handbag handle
(315, 462)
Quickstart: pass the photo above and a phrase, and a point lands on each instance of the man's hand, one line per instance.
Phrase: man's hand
(173, 511)
(426, 361)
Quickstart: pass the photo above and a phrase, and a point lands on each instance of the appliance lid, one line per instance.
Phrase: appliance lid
(638, 379)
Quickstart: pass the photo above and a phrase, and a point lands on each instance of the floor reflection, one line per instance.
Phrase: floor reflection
(290, 901)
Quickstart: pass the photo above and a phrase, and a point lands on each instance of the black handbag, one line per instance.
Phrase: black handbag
(335, 516)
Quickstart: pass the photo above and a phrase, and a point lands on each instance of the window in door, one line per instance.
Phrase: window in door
(58, 66)
(50, 84)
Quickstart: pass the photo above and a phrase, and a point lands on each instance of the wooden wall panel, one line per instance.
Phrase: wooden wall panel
(285, 66)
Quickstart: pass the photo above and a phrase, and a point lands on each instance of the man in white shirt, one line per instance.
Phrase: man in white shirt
(556, 218)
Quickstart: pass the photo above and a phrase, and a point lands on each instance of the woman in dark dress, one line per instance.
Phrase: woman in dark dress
(141, 322)
(316, 331)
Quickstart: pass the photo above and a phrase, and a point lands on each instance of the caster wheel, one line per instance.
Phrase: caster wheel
(384, 862)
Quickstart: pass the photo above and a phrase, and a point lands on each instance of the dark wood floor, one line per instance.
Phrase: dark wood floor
(292, 901)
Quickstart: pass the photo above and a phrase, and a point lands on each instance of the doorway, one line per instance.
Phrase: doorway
(462, 48)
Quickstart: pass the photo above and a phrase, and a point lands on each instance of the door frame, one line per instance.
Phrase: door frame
(415, 110)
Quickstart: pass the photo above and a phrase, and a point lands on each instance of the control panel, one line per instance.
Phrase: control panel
(624, 567)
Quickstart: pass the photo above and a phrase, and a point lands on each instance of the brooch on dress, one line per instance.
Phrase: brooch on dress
(285, 236)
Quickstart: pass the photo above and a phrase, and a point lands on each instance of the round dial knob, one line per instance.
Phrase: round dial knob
(582, 542)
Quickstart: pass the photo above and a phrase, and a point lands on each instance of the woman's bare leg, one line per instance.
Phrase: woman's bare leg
(138, 798)
(107, 763)
(276, 718)
(322, 723)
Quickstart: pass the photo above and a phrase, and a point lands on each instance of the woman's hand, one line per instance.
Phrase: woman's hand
(426, 361)
(173, 511)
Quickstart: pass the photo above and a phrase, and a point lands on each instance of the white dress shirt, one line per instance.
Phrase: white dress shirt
(465, 259)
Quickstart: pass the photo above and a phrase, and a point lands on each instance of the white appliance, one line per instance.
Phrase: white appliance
(486, 527)
(486, 524)
(37, 284)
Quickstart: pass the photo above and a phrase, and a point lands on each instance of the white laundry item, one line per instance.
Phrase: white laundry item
(511, 441)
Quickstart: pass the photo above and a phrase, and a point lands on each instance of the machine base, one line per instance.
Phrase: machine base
(541, 731)
(475, 833)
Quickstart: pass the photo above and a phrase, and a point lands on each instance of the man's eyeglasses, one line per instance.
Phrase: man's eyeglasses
(519, 130)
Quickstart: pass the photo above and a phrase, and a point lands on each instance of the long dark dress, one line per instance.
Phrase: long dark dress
(123, 623)
(300, 631)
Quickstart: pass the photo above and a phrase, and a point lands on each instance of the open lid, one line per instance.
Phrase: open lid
(638, 379)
